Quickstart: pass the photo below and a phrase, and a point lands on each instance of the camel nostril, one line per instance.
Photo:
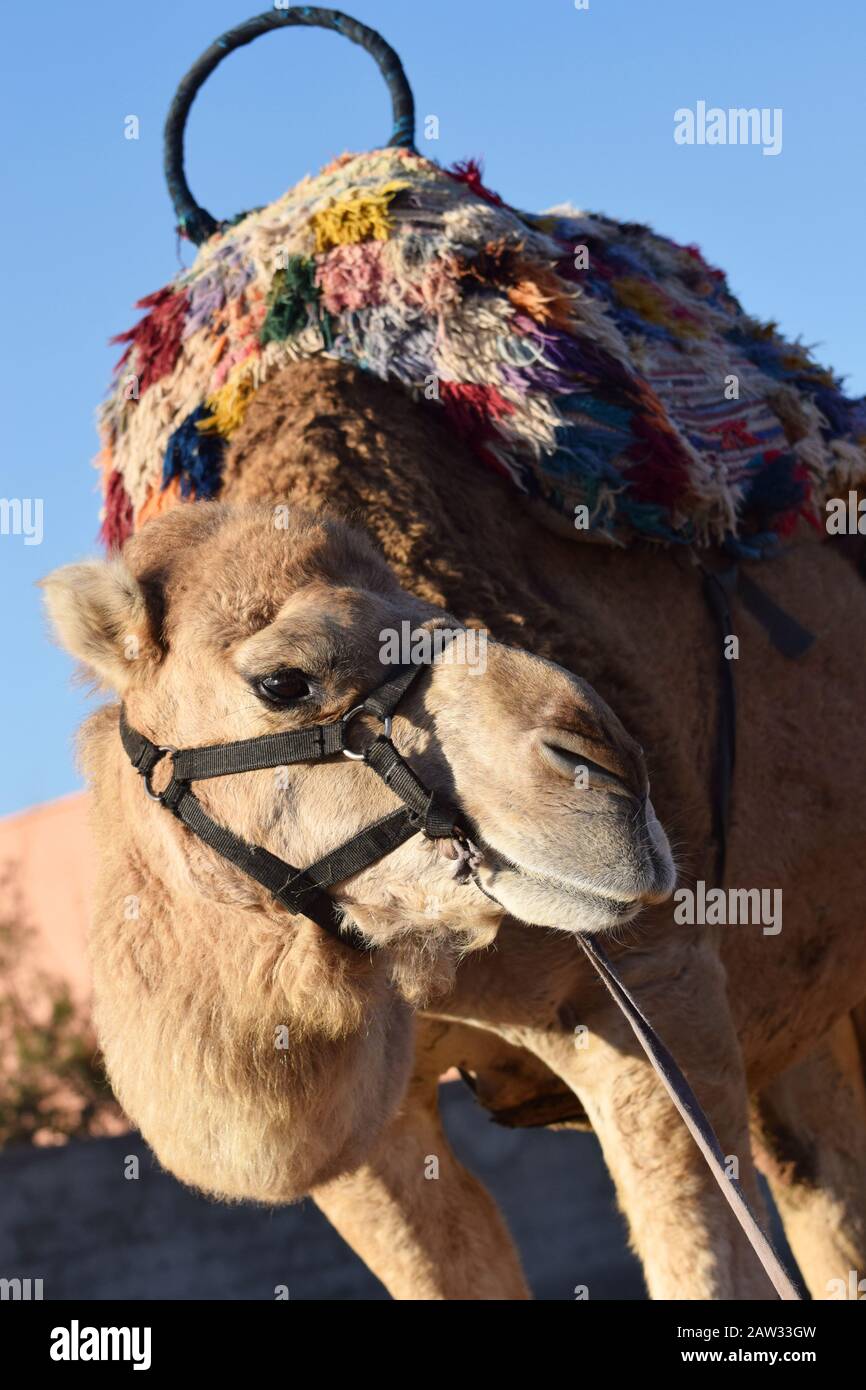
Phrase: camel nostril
(571, 763)
(562, 760)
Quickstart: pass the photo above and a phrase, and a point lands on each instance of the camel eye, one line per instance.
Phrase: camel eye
(284, 687)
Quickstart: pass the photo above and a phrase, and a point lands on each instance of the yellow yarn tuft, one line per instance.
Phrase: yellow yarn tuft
(356, 218)
(230, 403)
(643, 297)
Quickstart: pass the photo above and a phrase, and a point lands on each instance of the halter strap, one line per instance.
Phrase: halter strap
(255, 754)
(301, 890)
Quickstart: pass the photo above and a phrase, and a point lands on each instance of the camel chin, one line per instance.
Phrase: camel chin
(570, 902)
(537, 901)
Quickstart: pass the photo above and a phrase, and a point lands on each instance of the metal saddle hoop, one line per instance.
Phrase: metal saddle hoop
(196, 222)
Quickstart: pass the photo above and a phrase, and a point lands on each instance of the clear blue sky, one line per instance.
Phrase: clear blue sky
(563, 105)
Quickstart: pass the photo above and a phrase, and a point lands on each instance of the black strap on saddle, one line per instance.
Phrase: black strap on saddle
(303, 890)
(788, 637)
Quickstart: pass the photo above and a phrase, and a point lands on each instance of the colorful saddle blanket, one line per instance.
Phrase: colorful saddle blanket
(606, 372)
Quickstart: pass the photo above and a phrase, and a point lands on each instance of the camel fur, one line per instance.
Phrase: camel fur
(191, 991)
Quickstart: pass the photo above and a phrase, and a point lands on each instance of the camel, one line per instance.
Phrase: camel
(196, 970)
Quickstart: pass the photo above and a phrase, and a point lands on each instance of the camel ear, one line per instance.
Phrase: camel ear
(99, 614)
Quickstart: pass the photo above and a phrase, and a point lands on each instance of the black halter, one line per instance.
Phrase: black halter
(303, 890)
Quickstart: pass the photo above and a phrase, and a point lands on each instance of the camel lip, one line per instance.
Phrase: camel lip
(617, 909)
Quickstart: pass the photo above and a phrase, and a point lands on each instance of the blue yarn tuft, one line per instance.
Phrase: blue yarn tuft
(195, 456)
(775, 489)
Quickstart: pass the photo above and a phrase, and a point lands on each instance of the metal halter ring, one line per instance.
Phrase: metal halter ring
(361, 709)
(156, 796)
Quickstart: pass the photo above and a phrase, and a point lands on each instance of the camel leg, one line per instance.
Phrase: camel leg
(810, 1137)
(681, 1227)
(418, 1219)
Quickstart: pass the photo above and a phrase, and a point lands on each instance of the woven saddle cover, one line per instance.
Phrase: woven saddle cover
(606, 372)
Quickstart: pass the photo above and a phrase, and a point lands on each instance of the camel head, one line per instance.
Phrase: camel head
(226, 622)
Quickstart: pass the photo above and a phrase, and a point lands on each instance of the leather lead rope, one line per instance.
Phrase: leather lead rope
(694, 1117)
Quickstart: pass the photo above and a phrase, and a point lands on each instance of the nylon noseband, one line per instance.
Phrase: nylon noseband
(303, 890)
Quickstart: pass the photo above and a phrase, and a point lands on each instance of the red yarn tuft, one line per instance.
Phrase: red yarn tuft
(471, 408)
(471, 411)
(661, 469)
(117, 524)
(157, 337)
(696, 255)
(469, 171)
(734, 434)
(787, 524)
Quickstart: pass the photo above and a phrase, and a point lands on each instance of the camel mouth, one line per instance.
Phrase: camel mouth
(547, 900)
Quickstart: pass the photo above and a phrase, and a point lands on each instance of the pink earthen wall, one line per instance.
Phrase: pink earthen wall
(49, 850)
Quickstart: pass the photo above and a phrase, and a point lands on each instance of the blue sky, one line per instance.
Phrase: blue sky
(563, 105)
